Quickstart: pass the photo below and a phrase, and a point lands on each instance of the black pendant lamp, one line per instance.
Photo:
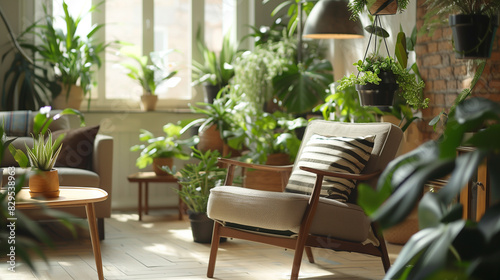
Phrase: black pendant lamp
(331, 19)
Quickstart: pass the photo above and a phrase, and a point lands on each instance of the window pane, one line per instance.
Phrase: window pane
(124, 23)
(172, 31)
(213, 25)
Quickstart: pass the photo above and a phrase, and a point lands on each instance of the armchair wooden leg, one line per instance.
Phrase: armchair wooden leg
(382, 247)
(213, 250)
(309, 254)
(297, 258)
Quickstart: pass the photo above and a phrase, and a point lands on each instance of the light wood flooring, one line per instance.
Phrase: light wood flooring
(161, 247)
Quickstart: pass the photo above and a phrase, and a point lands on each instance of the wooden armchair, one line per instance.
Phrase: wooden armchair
(299, 219)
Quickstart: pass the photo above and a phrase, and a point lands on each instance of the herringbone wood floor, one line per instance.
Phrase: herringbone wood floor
(161, 247)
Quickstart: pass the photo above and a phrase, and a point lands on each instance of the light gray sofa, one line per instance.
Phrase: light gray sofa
(85, 161)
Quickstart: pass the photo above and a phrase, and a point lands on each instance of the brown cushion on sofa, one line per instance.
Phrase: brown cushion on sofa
(77, 147)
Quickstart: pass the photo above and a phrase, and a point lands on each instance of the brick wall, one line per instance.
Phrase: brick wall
(445, 76)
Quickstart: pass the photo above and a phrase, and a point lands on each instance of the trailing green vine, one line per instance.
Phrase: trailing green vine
(410, 89)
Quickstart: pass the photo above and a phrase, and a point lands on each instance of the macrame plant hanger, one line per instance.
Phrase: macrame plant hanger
(377, 29)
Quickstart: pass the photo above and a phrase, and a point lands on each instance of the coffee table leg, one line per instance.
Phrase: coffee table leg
(140, 201)
(146, 199)
(179, 207)
(94, 237)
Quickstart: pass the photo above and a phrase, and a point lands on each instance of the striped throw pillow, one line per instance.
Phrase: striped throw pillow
(340, 154)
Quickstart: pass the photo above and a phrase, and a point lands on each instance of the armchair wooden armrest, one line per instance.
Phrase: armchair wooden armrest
(284, 170)
(360, 177)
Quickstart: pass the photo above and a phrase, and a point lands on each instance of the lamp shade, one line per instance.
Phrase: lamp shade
(331, 19)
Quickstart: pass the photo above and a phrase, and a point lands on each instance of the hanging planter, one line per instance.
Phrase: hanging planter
(381, 95)
(384, 7)
(473, 35)
(379, 78)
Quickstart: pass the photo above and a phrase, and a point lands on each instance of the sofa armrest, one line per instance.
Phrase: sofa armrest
(102, 161)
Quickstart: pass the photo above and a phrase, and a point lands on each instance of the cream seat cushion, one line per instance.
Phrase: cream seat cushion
(284, 211)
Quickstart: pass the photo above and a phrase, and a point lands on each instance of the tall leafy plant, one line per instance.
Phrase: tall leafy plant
(74, 58)
(446, 247)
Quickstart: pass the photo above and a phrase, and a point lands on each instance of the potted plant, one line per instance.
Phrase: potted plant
(161, 151)
(473, 22)
(218, 119)
(379, 78)
(378, 7)
(43, 155)
(214, 72)
(271, 139)
(73, 57)
(44, 182)
(148, 74)
(197, 179)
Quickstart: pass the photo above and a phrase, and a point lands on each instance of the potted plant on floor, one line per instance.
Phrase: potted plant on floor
(473, 22)
(214, 72)
(149, 72)
(161, 151)
(197, 179)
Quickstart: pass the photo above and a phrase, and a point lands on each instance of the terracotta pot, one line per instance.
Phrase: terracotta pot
(72, 100)
(44, 184)
(384, 7)
(267, 180)
(159, 162)
(148, 102)
(210, 140)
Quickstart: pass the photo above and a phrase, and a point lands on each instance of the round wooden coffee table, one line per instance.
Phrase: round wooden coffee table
(71, 197)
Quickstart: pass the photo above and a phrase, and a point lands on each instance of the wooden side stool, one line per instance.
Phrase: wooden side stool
(144, 178)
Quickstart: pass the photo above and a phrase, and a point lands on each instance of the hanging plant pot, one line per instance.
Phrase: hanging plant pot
(384, 7)
(473, 35)
(159, 162)
(381, 95)
(44, 184)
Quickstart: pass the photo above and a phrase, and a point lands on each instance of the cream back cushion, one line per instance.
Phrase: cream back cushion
(340, 154)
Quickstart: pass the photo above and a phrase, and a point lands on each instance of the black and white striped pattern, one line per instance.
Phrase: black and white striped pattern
(340, 154)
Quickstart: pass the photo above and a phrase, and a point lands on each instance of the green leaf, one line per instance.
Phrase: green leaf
(400, 50)
(377, 30)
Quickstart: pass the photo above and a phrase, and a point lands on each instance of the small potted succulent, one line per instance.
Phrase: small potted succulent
(44, 181)
(161, 151)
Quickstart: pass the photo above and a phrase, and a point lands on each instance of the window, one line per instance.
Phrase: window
(151, 25)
